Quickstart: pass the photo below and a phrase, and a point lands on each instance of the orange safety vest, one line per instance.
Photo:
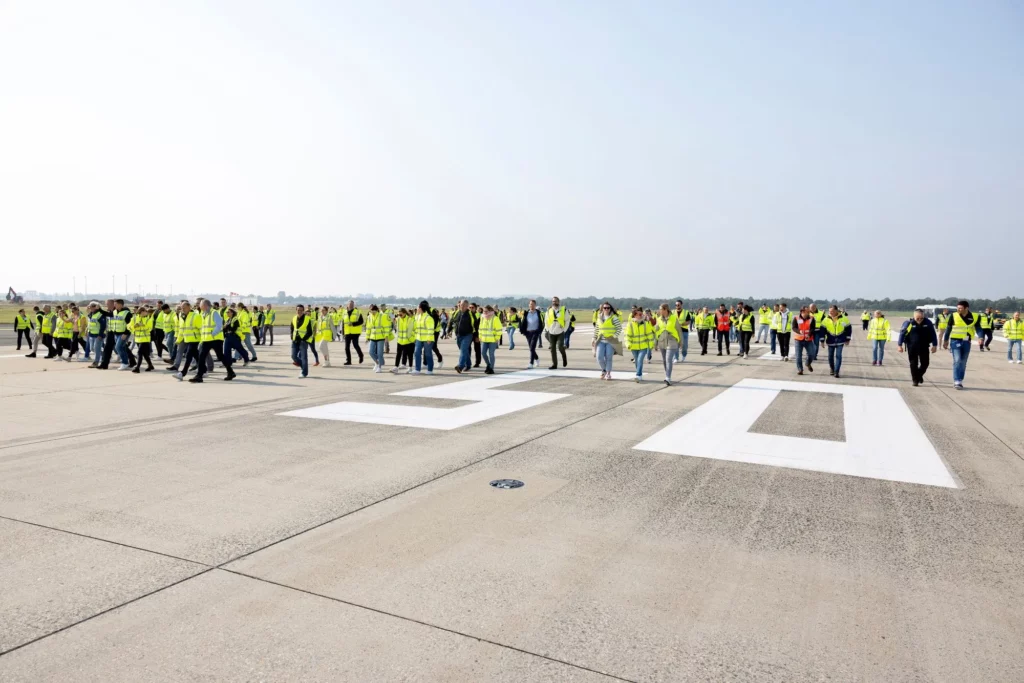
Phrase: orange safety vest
(804, 328)
(723, 321)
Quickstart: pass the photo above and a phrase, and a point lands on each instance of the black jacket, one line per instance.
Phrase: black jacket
(522, 321)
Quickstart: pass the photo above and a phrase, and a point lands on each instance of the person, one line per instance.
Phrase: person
(245, 332)
(233, 337)
(406, 333)
(746, 325)
(425, 337)
(532, 326)
(837, 335)
(511, 323)
(764, 323)
(117, 336)
(607, 329)
(1013, 330)
(819, 329)
(705, 328)
(489, 330)
(986, 322)
(189, 330)
(683, 321)
(211, 341)
(878, 335)
(865, 319)
(326, 330)
(389, 318)
(378, 331)
(555, 322)
(723, 324)
(97, 329)
(443, 320)
(569, 330)
(959, 333)
(667, 334)
(804, 334)
(141, 328)
(47, 325)
(783, 323)
(352, 327)
(301, 332)
(163, 330)
(23, 328)
(268, 324)
(639, 339)
(943, 319)
(464, 325)
(918, 337)
(437, 334)
(63, 333)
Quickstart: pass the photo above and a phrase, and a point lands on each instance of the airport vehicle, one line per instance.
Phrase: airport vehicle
(14, 297)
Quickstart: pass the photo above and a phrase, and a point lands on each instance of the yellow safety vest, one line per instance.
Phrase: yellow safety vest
(961, 330)
(985, 321)
(209, 324)
(865, 316)
(490, 332)
(323, 329)
(607, 328)
(64, 329)
(835, 327)
(766, 316)
(747, 322)
(22, 323)
(1013, 329)
(671, 326)
(350, 318)
(943, 321)
(424, 327)
(244, 322)
(190, 327)
(269, 317)
(142, 328)
(639, 336)
(775, 321)
(878, 329)
(297, 332)
(550, 319)
(118, 323)
(378, 327)
(94, 323)
(406, 330)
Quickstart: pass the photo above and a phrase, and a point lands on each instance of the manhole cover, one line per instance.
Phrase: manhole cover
(506, 483)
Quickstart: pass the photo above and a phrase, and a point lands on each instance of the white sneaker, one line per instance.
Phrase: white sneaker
(394, 371)
(125, 367)
(414, 372)
(408, 371)
(637, 379)
(1010, 362)
(429, 372)
(1019, 362)
(376, 369)
(301, 376)
(440, 365)
(179, 377)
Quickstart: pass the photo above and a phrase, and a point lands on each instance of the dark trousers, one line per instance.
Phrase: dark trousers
(268, 330)
(28, 338)
(865, 324)
(352, 340)
(557, 343)
(216, 348)
(986, 337)
(437, 352)
(108, 349)
(145, 354)
(191, 354)
(745, 338)
(533, 338)
(783, 338)
(232, 342)
(63, 343)
(257, 335)
(404, 355)
(158, 339)
(77, 341)
(48, 343)
(702, 338)
(919, 360)
(723, 335)
(476, 353)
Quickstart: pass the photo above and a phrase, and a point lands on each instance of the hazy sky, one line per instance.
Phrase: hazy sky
(826, 148)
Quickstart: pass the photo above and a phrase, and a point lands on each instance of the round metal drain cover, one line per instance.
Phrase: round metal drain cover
(506, 483)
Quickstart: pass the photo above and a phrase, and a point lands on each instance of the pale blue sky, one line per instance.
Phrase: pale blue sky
(605, 148)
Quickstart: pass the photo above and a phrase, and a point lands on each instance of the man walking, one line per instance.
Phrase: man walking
(211, 340)
(919, 338)
(865, 318)
(555, 323)
(959, 333)
(837, 336)
(819, 329)
(705, 325)
(1013, 330)
(878, 335)
(723, 323)
(986, 323)
(532, 326)
(268, 324)
(683, 318)
(464, 325)
(804, 333)
(783, 322)
(746, 325)
(352, 327)
(764, 323)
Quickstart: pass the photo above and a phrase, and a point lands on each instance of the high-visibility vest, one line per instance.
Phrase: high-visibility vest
(597, 314)
(723, 321)
(378, 327)
(549, 320)
(985, 321)
(190, 327)
(683, 318)
(323, 329)
(513, 320)
(818, 317)
(1013, 329)
(209, 324)
(297, 332)
(707, 322)
(46, 323)
(783, 322)
(490, 330)
(943, 320)
(747, 322)
(350, 318)
(607, 326)
(94, 323)
(64, 328)
(244, 322)
(962, 330)
(865, 316)
(22, 322)
(142, 328)
(424, 327)
(671, 325)
(837, 327)
(639, 336)
(406, 329)
(269, 317)
(802, 328)
(775, 321)
(118, 323)
(766, 316)
(878, 329)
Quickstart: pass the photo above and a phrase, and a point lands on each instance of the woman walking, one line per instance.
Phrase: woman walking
(640, 339)
(233, 337)
(326, 330)
(607, 328)
(489, 333)
(667, 335)
(406, 341)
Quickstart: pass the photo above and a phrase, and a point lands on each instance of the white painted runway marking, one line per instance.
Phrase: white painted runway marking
(883, 439)
(488, 402)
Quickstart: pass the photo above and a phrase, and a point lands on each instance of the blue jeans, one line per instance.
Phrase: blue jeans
(96, 344)
(169, 343)
(961, 349)
(422, 353)
(487, 350)
(668, 358)
(247, 342)
(511, 341)
(835, 357)
(774, 334)
(568, 333)
(638, 356)
(121, 349)
(819, 336)
(762, 329)
(605, 354)
(803, 345)
(300, 356)
(377, 351)
(878, 350)
(684, 346)
(232, 342)
(465, 344)
(1009, 351)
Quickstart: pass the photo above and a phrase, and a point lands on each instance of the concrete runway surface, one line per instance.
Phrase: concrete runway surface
(744, 524)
